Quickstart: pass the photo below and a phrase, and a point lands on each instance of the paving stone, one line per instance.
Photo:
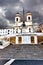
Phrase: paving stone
(31, 52)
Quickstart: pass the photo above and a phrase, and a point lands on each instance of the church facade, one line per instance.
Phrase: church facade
(22, 32)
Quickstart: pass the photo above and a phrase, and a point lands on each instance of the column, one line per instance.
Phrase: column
(16, 39)
(35, 40)
(31, 29)
(29, 39)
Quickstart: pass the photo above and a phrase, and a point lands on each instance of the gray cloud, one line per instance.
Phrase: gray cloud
(13, 6)
(8, 2)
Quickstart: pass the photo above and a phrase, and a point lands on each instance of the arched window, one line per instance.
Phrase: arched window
(16, 19)
(8, 31)
(28, 18)
(29, 29)
(17, 30)
(23, 24)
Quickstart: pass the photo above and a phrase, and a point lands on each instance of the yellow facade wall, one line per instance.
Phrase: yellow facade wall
(13, 40)
(40, 38)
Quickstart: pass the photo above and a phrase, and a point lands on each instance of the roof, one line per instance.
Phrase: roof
(17, 13)
(29, 13)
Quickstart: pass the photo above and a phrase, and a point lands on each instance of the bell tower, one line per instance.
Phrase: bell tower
(29, 21)
(28, 17)
(17, 18)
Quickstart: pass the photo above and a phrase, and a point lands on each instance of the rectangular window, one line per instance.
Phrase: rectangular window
(32, 39)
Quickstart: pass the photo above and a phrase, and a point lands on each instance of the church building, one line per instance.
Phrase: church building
(22, 31)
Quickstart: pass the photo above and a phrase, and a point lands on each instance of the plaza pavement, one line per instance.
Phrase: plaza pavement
(29, 52)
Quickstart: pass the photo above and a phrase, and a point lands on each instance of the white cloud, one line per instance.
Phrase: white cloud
(17, 7)
(3, 20)
(8, 22)
(22, 1)
(2, 11)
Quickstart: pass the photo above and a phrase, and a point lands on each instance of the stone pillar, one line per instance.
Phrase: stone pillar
(31, 29)
(16, 39)
(29, 39)
(35, 40)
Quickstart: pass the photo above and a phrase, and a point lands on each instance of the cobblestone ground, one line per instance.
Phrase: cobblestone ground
(30, 52)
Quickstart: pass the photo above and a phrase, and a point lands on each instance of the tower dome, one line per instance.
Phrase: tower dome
(17, 17)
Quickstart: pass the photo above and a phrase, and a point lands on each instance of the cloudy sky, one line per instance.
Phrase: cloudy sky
(8, 8)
